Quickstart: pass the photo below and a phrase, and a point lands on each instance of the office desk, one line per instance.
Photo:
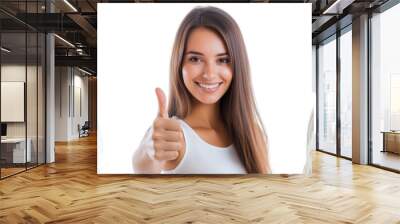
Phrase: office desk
(15, 148)
(391, 141)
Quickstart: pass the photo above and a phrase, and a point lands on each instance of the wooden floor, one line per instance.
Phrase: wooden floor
(70, 191)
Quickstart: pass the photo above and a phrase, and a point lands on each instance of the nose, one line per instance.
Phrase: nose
(210, 70)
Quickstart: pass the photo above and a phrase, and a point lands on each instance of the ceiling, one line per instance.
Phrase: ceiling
(76, 22)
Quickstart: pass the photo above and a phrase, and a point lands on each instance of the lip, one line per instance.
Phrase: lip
(208, 87)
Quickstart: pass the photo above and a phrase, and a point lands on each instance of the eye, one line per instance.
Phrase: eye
(194, 59)
(224, 60)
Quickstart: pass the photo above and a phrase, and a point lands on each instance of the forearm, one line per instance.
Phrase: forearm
(143, 164)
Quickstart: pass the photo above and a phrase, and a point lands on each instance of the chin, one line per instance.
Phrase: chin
(207, 100)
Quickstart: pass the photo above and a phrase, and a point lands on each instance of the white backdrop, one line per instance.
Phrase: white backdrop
(134, 48)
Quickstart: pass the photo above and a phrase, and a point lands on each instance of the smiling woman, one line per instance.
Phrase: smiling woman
(211, 125)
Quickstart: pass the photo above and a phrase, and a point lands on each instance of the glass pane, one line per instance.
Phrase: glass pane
(327, 96)
(13, 88)
(386, 89)
(31, 85)
(41, 98)
(346, 94)
(31, 101)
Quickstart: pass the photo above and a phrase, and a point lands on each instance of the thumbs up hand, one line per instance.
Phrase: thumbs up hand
(162, 103)
(168, 139)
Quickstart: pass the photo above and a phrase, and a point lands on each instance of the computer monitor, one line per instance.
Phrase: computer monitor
(3, 129)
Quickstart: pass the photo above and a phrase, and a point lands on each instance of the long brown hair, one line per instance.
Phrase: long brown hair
(238, 107)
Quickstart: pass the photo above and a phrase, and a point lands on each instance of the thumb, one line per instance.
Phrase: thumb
(162, 103)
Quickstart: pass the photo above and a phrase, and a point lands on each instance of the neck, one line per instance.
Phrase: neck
(205, 115)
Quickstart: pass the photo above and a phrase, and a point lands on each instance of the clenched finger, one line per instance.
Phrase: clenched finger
(167, 146)
(169, 136)
(168, 124)
(166, 155)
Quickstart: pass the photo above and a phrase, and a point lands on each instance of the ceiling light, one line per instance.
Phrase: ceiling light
(338, 6)
(5, 50)
(84, 71)
(70, 5)
(64, 40)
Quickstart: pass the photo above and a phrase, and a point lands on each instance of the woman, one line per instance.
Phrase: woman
(211, 125)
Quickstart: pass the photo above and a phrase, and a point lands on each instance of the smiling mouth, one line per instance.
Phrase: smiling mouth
(209, 87)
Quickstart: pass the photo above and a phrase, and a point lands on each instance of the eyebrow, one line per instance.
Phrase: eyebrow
(198, 53)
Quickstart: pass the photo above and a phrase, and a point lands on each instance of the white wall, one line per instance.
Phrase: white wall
(62, 81)
(80, 83)
(68, 83)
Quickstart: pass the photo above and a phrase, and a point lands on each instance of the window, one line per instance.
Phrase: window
(346, 93)
(327, 96)
(385, 89)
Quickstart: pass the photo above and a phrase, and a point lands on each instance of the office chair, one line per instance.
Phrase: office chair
(84, 130)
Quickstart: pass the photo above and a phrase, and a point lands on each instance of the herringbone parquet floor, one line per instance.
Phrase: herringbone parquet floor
(70, 191)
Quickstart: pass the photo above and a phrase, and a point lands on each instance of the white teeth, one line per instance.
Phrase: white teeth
(209, 86)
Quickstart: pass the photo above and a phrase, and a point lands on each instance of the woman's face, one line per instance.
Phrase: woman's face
(206, 66)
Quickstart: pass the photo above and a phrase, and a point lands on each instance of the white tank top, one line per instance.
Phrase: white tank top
(203, 158)
(200, 157)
